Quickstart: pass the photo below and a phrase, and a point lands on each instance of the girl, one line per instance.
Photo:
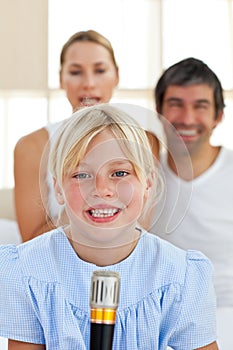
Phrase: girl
(105, 177)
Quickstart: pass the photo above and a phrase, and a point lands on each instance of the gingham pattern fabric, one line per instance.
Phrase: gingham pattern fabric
(166, 296)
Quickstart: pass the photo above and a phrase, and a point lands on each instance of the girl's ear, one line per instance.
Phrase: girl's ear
(58, 192)
(149, 184)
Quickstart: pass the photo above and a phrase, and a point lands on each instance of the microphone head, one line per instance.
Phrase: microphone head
(105, 288)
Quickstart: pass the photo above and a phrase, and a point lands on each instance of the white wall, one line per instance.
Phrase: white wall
(23, 41)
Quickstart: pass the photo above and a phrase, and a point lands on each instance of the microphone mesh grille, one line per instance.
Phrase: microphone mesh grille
(105, 287)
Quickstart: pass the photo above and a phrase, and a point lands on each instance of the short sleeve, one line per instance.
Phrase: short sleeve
(18, 319)
(196, 323)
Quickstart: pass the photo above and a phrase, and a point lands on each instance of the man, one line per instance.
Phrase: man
(196, 210)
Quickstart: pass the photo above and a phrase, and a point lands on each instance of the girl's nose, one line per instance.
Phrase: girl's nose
(103, 187)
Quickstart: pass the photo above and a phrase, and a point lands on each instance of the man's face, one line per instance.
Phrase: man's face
(189, 115)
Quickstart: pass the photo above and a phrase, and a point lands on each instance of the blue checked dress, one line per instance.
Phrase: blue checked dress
(166, 295)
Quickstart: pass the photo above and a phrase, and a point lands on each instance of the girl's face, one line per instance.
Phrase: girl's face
(103, 195)
(88, 74)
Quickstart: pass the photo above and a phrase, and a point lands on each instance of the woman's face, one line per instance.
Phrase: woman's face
(88, 74)
(104, 192)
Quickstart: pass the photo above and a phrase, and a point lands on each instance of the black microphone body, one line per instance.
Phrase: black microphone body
(104, 301)
(101, 336)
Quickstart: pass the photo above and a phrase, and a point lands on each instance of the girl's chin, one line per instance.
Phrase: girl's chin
(105, 238)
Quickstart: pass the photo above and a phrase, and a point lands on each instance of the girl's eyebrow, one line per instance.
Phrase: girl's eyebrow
(116, 161)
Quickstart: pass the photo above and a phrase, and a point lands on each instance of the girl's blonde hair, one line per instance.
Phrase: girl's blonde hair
(77, 131)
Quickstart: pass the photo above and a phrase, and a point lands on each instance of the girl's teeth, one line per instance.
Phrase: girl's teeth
(103, 213)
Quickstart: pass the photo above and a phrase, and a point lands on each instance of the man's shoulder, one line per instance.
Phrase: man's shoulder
(227, 152)
(224, 160)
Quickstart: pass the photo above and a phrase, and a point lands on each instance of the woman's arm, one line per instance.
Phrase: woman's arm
(212, 346)
(30, 212)
(18, 345)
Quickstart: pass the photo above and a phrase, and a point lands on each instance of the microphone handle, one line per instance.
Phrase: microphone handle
(101, 336)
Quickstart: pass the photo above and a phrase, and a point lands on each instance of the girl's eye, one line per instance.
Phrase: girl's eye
(82, 176)
(120, 173)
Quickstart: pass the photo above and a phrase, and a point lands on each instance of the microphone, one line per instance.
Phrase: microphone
(105, 286)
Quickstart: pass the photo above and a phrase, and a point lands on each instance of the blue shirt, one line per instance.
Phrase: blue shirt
(166, 295)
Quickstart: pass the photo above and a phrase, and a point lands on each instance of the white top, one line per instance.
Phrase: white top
(54, 208)
(199, 215)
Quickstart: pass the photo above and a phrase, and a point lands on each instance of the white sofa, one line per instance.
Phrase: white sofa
(7, 210)
(9, 232)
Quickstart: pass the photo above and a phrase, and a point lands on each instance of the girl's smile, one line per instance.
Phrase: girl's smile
(103, 214)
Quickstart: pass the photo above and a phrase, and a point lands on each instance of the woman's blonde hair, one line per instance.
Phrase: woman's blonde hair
(88, 36)
(77, 131)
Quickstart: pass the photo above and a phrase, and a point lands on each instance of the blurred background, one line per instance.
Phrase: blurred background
(147, 37)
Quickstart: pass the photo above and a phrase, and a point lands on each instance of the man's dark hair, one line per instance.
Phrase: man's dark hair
(187, 72)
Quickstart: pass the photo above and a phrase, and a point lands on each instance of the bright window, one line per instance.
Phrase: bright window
(132, 26)
(201, 29)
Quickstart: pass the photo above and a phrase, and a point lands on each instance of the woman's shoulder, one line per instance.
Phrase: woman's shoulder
(33, 142)
(39, 137)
